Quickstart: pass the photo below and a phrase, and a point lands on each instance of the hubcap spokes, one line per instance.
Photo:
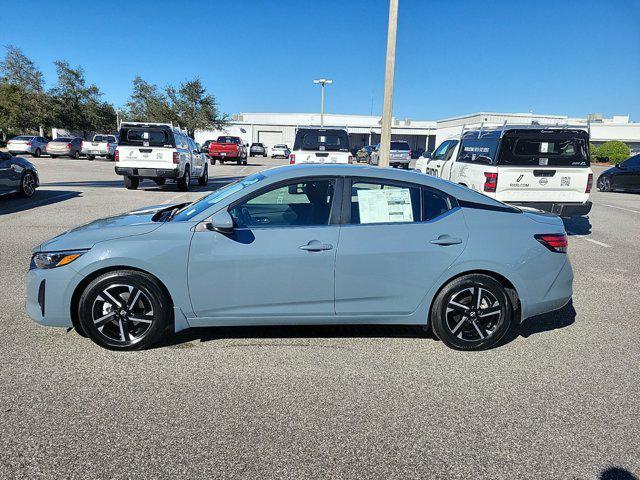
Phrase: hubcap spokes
(28, 185)
(473, 314)
(122, 313)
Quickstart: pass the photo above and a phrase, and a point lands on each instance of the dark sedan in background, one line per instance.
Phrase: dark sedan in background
(623, 176)
(17, 176)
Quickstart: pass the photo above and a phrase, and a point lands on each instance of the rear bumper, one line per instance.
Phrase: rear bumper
(561, 209)
(557, 296)
(21, 149)
(226, 154)
(149, 172)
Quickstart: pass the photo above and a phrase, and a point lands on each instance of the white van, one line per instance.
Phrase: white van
(541, 167)
(158, 151)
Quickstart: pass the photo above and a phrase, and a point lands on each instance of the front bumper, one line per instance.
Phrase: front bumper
(561, 209)
(49, 295)
(149, 172)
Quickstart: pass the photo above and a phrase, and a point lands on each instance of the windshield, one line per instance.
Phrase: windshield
(191, 210)
(556, 149)
(399, 146)
(320, 139)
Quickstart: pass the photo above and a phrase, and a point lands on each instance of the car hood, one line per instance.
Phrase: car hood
(137, 222)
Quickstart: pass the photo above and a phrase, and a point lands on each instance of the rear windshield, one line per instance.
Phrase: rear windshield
(279, 146)
(63, 139)
(104, 138)
(552, 149)
(23, 138)
(320, 139)
(399, 146)
(146, 137)
(228, 140)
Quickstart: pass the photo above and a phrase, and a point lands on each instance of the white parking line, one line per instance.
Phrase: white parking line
(619, 208)
(605, 245)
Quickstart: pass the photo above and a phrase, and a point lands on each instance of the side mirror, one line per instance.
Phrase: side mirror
(426, 155)
(221, 222)
(246, 144)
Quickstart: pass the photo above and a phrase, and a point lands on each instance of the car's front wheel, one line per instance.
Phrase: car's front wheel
(473, 312)
(124, 310)
(204, 179)
(28, 184)
(604, 184)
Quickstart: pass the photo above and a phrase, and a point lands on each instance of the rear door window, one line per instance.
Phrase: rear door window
(445, 150)
(477, 150)
(381, 202)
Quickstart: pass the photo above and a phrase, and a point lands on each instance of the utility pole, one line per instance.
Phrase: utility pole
(387, 104)
(322, 82)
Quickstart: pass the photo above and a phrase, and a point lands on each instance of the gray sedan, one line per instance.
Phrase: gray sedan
(65, 146)
(17, 176)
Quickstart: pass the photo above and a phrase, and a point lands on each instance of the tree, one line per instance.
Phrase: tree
(24, 104)
(77, 105)
(614, 151)
(148, 104)
(194, 107)
(593, 151)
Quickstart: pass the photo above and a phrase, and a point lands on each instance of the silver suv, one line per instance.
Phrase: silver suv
(27, 144)
(399, 155)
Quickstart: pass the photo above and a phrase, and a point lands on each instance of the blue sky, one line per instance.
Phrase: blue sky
(453, 56)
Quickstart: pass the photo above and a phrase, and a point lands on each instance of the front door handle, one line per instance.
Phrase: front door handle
(316, 246)
(445, 240)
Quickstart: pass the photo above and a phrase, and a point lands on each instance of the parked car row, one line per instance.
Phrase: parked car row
(102, 145)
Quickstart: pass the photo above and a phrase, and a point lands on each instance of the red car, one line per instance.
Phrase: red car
(228, 149)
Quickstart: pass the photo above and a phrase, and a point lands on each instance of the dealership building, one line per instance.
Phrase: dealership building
(274, 128)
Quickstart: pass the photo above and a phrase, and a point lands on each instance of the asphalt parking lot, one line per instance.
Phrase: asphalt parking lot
(559, 400)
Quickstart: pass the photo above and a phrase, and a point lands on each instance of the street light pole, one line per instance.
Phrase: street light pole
(387, 104)
(322, 82)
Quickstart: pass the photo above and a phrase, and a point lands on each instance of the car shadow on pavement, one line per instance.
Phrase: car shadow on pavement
(15, 203)
(577, 225)
(542, 323)
(616, 473)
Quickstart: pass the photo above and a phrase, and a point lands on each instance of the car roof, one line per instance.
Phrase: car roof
(338, 170)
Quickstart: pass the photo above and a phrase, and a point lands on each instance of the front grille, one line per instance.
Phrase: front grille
(41, 296)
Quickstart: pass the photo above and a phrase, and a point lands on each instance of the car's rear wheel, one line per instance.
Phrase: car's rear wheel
(204, 178)
(124, 310)
(473, 312)
(76, 154)
(37, 153)
(28, 184)
(604, 184)
(131, 183)
(185, 181)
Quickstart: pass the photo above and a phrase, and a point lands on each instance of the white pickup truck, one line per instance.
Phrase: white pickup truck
(546, 168)
(101, 146)
(321, 145)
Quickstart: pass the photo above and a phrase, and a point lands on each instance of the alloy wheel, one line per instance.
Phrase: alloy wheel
(28, 185)
(122, 314)
(473, 314)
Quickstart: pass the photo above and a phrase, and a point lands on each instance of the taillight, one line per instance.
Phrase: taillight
(108, 147)
(589, 183)
(69, 146)
(117, 156)
(350, 160)
(556, 242)
(29, 143)
(292, 159)
(176, 158)
(490, 181)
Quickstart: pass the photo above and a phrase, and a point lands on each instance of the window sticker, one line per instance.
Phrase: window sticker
(543, 162)
(386, 205)
(544, 147)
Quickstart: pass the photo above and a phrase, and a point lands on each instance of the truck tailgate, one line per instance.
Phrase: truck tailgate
(145, 157)
(542, 184)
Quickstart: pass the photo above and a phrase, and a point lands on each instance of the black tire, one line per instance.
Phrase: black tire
(37, 153)
(91, 157)
(131, 183)
(213, 160)
(244, 162)
(28, 184)
(112, 325)
(239, 161)
(76, 155)
(160, 181)
(604, 184)
(184, 182)
(221, 162)
(52, 156)
(405, 166)
(204, 179)
(463, 325)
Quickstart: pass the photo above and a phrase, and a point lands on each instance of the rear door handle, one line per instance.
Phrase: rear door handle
(316, 246)
(445, 240)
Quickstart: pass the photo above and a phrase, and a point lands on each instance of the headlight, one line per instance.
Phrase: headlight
(55, 259)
